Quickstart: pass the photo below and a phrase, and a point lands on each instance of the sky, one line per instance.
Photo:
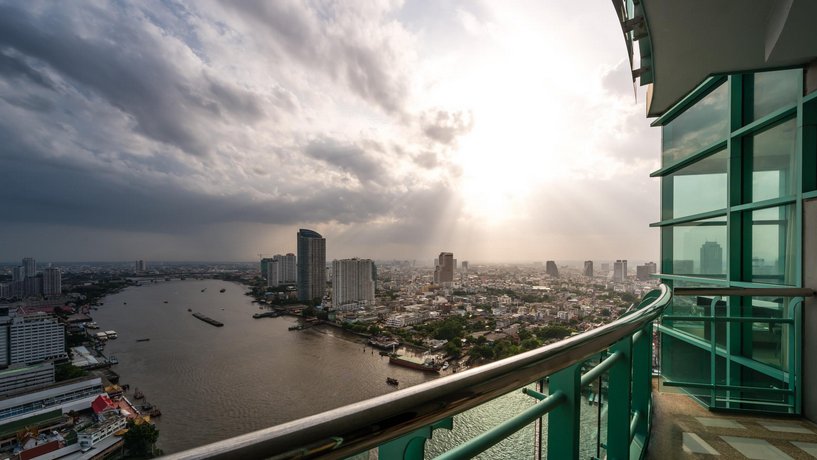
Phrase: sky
(208, 130)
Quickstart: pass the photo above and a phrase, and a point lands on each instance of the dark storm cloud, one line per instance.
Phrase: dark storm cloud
(445, 127)
(348, 158)
(16, 67)
(344, 46)
(125, 65)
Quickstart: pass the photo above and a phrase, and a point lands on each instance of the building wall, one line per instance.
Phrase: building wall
(810, 309)
(15, 379)
(353, 281)
(737, 162)
(311, 265)
(35, 338)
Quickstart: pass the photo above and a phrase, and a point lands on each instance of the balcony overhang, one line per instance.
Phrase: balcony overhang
(691, 40)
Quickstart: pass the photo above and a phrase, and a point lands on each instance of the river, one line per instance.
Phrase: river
(213, 383)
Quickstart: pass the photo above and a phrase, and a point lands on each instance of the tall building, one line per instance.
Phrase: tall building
(311, 265)
(33, 338)
(736, 103)
(140, 266)
(551, 268)
(18, 273)
(30, 266)
(588, 268)
(264, 266)
(643, 272)
(353, 281)
(465, 265)
(288, 268)
(444, 270)
(711, 258)
(620, 270)
(52, 282)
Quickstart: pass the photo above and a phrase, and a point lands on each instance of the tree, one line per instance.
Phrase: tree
(140, 439)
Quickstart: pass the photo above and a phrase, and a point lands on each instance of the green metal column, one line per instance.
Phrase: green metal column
(642, 384)
(563, 421)
(412, 446)
(619, 402)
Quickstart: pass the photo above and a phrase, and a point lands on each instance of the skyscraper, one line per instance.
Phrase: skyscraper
(140, 266)
(311, 265)
(620, 270)
(353, 281)
(52, 282)
(643, 272)
(551, 268)
(30, 266)
(288, 268)
(444, 271)
(711, 258)
(588, 268)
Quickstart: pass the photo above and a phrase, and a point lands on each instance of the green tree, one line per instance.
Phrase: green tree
(140, 439)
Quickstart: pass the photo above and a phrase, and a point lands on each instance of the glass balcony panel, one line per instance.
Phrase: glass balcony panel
(773, 91)
(772, 233)
(770, 341)
(684, 362)
(761, 400)
(699, 127)
(699, 248)
(771, 156)
(697, 188)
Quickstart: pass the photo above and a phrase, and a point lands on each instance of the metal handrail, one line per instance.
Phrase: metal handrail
(360, 426)
(753, 292)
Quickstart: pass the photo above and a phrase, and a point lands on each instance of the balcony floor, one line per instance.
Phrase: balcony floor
(683, 429)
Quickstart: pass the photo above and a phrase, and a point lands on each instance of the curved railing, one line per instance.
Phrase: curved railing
(378, 421)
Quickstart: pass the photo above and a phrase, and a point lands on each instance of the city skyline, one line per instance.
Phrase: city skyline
(211, 131)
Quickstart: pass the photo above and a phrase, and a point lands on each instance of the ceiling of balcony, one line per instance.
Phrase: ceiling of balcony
(694, 39)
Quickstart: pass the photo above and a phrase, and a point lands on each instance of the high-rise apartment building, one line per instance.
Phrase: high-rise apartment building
(620, 270)
(444, 270)
(52, 282)
(551, 268)
(18, 273)
(311, 265)
(643, 272)
(588, 268)
(32, 339)
(30, 266)
(353, 281)
(465, 265)
(140, 266)
(711, 258)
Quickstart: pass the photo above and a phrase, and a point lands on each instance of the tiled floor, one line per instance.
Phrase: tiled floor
(683, 429)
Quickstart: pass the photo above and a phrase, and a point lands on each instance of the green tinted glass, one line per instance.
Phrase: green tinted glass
(770, 155)
(771, 233)
(697, 188)
(771, 91)
(699, 127)
(699, 248)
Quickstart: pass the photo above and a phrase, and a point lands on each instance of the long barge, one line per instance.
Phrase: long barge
(208, 320)
(427, 366)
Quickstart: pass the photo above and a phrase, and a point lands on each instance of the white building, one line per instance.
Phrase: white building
(77, 396)
(353, 281)
(35, 338)
(20, 377)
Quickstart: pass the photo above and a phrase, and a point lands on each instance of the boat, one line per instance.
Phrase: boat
(203, 289)
(189, 309)
(112, 359)
(266, 314)
(208, 320)
(392, 381)
(427, 365)
(296, 327)
(384, 342)
(222, 290)
(165, 301)
(137, 394)
(143, 340)
(155, 412)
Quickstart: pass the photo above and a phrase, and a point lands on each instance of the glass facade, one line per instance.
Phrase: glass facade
(736, 164)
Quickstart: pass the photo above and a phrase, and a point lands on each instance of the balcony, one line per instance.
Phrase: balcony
(612, 362)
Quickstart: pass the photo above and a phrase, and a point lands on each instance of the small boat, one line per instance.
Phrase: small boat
(165, 301)
(222, 290)
(143, 340)
(203, 289)
(124, 303)
(113, 360)
(392, 381)
(189, 309)
(137, 394)
(155, 412)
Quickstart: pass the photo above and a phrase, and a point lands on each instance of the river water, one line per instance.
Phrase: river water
(213, 383)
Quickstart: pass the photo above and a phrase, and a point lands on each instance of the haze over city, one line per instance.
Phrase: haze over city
(213, 131)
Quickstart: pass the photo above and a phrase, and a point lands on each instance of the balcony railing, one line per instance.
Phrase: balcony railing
(399, 423)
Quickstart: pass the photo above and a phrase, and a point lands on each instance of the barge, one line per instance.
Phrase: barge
(208, 320)
(428, 365)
